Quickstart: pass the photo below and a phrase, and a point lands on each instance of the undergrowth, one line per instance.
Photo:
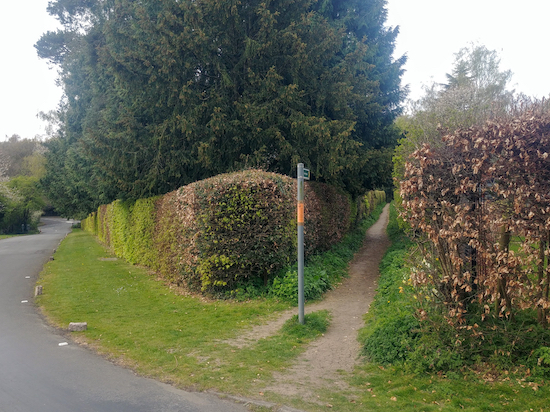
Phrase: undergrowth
(391, 330)
(394, 333)
(322, 272)
(315, 324)
(140, 322)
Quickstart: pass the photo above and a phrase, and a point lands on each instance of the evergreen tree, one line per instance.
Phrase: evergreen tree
(162, 93)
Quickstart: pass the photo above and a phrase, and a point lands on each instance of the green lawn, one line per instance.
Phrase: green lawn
(143, 324)
(140, 322)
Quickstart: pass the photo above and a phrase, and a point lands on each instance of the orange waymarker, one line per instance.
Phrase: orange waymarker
(300, 213)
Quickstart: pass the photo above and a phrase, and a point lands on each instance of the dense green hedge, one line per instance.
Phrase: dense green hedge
(226, 230)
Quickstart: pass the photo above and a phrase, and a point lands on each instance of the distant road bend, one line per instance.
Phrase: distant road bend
(36, 374)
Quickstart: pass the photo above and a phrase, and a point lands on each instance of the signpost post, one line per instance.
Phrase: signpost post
(302, 174)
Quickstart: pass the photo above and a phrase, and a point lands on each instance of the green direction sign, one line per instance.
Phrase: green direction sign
(306, 174)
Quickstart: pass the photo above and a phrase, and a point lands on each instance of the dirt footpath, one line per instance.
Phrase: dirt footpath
(326, 361)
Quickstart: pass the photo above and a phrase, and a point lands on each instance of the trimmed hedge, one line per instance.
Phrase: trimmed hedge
(216, 233)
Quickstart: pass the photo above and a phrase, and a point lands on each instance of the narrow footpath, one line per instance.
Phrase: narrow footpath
(328, 359)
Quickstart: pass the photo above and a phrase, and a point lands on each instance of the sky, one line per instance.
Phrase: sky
(27, 85)
(431, 32)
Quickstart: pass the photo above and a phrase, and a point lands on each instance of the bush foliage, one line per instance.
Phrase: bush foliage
(467, 199)
(21, 205)
(406, 324)
(220, 233)
(325, 270)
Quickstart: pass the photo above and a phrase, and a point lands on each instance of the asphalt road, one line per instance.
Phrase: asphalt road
(36, 374)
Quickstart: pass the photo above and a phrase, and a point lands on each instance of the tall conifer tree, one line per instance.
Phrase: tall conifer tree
(162, 93)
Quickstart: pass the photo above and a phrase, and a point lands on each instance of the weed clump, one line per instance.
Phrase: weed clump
(315, 324)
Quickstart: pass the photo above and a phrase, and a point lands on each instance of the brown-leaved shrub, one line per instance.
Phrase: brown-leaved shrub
(481, 202)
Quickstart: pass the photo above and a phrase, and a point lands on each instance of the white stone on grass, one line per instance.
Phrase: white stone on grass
(78, 326)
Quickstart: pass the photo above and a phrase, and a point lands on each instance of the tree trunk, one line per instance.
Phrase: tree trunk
(504, 246)
(548, 267)
(540, 286)
(547, 286)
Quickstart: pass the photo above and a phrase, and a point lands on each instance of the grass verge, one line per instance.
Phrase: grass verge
(377, 388)
(140, 323)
